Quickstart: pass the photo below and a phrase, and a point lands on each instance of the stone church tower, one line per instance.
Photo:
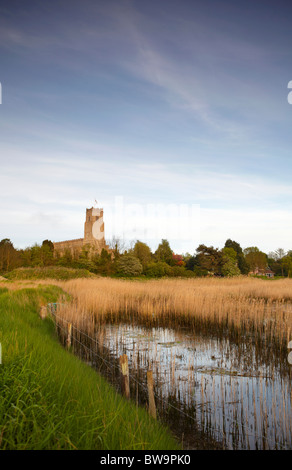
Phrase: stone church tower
(93, 226)
(93, 236)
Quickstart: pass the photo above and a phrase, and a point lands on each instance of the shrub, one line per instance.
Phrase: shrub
(158, 269)
(129, 265)
(180, 271)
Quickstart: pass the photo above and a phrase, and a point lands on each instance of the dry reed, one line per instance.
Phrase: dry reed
(259, 307)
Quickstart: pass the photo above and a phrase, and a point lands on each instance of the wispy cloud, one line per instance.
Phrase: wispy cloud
(180, 106)
(60, 173)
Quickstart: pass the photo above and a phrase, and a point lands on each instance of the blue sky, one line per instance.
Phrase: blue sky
(180, 103)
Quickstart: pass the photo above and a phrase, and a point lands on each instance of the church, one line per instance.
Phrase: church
(93, 236)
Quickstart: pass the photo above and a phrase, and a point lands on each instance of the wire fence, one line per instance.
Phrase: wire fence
(111, 365)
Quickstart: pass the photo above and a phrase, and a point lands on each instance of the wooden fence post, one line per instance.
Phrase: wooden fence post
(125, 375)
(69, 337)
(43, 312)
(152, 407)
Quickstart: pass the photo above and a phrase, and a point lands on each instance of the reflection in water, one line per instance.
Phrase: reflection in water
(232, 395)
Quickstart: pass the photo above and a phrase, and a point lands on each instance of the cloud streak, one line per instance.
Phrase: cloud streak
(155, 104)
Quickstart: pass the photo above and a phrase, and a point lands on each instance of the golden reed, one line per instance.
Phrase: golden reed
(261, 307)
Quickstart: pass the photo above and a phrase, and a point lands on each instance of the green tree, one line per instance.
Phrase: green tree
(142, 252)
(278, 256)
(66, 259)
(191, 262)
(39, 255)
(209, 258)
(286, 266)
(241, 261)
(164, 252)
(25, 256)
(84, 260)
(229, 263)
(255, 258)
(103, 263)
(9, 256)
(47, 253)
(48, 243)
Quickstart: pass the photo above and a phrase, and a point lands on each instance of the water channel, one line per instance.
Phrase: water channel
(224, 390)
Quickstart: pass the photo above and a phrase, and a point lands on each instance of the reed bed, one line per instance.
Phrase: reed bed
(244, 402)
(204, 383)
(243, 306)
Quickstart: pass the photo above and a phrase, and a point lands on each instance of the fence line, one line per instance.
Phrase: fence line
(109, 364)
(113, 366)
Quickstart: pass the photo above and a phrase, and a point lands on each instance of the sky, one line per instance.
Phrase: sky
(172, 115)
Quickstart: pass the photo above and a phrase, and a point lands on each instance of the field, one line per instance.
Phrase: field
(218, 350)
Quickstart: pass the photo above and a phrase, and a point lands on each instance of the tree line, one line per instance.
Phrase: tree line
(138, 260)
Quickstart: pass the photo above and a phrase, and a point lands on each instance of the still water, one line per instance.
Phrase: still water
(227, 390)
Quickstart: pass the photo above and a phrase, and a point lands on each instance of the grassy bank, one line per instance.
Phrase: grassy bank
(51, 400)
(49, 272)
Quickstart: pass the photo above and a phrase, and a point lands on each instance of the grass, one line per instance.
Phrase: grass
(49, 272)
(50, 400)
